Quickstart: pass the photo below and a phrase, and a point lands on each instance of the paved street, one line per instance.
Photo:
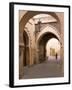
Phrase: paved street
(43, 70)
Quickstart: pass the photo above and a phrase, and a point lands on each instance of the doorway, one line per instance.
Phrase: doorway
(26, 49)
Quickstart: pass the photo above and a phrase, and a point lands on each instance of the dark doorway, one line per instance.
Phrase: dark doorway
(26, 49)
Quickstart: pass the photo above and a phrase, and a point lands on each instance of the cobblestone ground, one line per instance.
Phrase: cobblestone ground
(47, 69)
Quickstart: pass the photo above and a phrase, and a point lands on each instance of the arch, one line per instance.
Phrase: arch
(30, 14)
(44, 36)
(48, 29)
(41, 47)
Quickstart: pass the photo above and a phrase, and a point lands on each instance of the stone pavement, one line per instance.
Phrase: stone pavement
(47, 69)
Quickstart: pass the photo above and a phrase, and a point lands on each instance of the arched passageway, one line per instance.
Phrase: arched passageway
(53, 50)
(42, 45)
(36, 52)
(48, 33)
(30, 15)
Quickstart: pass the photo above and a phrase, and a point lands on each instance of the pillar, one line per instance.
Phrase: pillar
(21, 66)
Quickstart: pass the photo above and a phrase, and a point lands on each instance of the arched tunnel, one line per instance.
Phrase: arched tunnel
(42, 45)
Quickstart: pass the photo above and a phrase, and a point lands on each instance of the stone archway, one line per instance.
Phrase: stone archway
(42, 45)
(44, 36)
(29, 14)
(47, 29)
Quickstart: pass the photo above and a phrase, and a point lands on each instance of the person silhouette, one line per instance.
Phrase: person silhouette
(56, 56)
